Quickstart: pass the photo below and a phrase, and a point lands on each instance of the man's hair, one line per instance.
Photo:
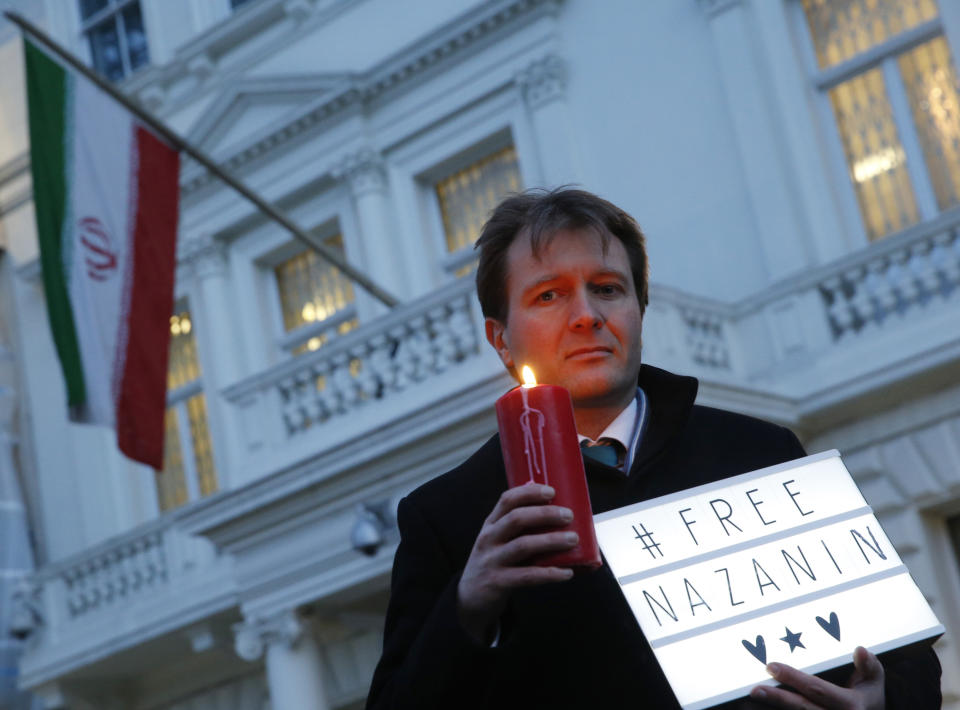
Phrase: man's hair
(539, 214)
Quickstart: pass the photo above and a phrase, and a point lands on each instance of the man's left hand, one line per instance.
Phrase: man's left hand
(864, 690)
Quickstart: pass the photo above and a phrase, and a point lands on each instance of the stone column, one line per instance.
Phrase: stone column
(365, 173)
(543, 84)
(203, 259)
(294, 669)
(758, 130)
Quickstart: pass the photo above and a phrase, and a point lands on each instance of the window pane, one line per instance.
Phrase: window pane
(171, 482)
(88, 8)
(312, 289)
(105, 47)
(931, 82)
(202, 450)
(467, 197)
(136, 37)
(875, 156)
(184, 366)
(844, 28)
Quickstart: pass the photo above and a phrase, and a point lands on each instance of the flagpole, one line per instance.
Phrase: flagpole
(182, 145)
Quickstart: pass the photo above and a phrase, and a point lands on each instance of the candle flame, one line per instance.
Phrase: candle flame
(528, 378)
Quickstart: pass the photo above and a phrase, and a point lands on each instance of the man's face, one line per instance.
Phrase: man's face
(573, 317)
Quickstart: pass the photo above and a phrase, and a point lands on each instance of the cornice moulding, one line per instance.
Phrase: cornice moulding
(363, 89)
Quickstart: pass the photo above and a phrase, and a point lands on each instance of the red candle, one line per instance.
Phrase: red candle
(538, 437)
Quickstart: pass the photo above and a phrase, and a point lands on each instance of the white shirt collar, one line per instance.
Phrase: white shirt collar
(627, 427)
(621, 428)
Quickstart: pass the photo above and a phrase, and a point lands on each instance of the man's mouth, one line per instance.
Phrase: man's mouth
(588, 352)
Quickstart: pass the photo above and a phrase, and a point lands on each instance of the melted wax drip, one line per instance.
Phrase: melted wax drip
(531, 424)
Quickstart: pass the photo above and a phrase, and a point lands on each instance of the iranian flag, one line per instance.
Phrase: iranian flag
(105, 191)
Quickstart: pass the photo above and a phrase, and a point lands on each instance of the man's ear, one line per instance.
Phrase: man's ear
(495, 336)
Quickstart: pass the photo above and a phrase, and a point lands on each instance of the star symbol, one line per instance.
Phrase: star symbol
(792, 639)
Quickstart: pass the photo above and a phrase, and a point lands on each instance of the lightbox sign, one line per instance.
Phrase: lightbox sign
(786, 564)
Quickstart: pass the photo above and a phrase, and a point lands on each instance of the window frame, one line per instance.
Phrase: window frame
(884, 56)
(113, 10)
(286, 342)
(177, 399)
(449, 261)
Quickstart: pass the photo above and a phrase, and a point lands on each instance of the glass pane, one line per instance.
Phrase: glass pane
(931, 82)
(171, 483)
(467, 197)
(312, 289)
(105, 48)
(184, 366)
(202, 451)
(88, 8)
(844, 28)
(136, 37)
(875, 157)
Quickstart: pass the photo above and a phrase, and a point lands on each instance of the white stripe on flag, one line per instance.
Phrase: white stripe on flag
(99, 175)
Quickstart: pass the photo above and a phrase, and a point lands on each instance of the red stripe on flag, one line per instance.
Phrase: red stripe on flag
(142, 399)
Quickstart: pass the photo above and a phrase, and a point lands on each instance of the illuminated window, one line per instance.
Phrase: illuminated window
(118, 40)
(316, 299)
(188, 469)
(886, 68)
(466, 199)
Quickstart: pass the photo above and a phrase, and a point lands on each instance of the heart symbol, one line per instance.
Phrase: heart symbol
(759, 651)
(832, 627)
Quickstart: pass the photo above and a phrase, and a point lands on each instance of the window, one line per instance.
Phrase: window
(188, 470)
(466, 199)
(316, 299)
(118, 41)
(886, 69)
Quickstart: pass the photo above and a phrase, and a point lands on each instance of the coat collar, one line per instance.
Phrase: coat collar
(670, 398)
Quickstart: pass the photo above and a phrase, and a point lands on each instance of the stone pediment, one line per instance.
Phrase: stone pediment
(251, 107)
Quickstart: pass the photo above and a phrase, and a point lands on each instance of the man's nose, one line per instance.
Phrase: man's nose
(584, 312)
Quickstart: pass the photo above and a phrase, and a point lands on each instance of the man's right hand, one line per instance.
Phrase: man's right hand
(499, 561)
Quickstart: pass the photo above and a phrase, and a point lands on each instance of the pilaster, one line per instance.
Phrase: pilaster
(294, 670)
(543, 86)
(202, 259)
(757, 129)
(364, 172)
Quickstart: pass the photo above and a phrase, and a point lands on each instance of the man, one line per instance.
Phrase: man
(562, 281)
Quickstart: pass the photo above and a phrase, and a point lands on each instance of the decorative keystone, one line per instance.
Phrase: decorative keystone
(543, 80)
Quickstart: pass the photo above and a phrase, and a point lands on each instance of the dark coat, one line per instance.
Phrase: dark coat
(575, 644)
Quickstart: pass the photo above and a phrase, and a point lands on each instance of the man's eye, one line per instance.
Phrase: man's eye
(608, 289)
(547, 296)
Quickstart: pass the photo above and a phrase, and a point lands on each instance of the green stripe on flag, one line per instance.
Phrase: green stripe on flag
(47, 100)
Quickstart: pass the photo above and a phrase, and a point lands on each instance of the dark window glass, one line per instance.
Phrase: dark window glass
(105, 46)
(136, 36)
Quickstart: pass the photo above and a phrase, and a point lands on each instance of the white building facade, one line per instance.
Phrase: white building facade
(796, 169)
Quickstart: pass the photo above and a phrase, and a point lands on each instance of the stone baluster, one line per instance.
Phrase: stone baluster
(924, 270)
(901, 276)
(444, 342)
(378, 372)
(838, 310)
(948, 259)
(462, 329)
(862, 303)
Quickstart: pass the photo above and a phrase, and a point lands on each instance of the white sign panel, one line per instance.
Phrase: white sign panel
(783, 564)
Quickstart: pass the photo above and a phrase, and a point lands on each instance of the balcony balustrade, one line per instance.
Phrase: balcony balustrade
(788, 342)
